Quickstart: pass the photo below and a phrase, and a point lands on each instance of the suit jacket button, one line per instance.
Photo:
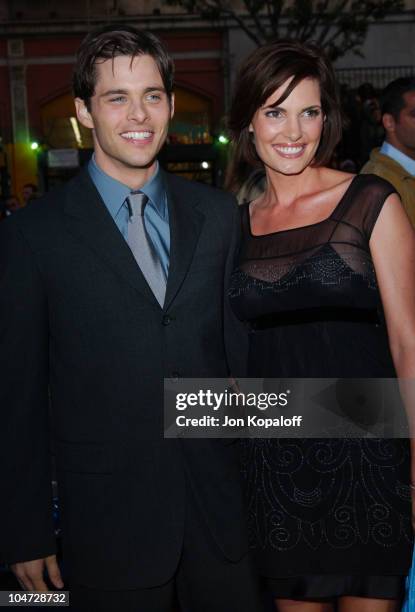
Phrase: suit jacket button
(166, 320)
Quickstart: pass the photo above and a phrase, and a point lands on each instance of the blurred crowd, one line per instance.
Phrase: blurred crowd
(376, 139)
(12, 203)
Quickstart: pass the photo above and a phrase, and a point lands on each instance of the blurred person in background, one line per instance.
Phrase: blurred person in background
(349, 146)
(10, 205)
(395, 159)
(29, 192)
(370, 127)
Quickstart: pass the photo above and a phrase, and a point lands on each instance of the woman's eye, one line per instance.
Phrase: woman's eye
(274, 114)
(312, 112)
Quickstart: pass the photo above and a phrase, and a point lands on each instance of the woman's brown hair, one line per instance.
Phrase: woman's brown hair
(259, 76)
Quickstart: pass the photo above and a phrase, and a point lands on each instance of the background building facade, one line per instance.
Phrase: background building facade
(37, 48)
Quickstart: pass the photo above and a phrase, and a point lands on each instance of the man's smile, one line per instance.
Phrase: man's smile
(141, 136)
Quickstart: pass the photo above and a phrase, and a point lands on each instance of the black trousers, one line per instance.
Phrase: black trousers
(204, 581)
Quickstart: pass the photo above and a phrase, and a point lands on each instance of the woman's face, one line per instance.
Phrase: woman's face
(287, 137)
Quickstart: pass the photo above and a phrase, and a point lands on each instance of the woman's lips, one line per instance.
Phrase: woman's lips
(289, 151)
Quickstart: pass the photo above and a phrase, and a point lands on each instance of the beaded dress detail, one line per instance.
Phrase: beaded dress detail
(317, 507)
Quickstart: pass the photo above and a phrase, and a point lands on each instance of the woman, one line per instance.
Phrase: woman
(323, 286)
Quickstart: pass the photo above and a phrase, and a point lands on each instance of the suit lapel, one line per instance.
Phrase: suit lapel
(186, 223)
(89, 220)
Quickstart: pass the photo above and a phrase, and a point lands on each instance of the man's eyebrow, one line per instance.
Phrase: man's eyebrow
(155, 88)
(112, 92)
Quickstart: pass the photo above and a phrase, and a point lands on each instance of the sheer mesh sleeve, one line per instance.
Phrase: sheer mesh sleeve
(371, 197)
(325, 263)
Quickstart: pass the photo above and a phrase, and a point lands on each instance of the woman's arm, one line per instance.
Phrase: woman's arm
(392, 246)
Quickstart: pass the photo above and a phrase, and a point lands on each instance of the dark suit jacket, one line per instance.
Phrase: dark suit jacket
(77, 315)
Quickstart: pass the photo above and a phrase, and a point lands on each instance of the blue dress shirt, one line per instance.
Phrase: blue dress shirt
(404, 160)
(156, 213)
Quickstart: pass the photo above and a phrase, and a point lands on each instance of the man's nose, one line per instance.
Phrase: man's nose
(137, 111)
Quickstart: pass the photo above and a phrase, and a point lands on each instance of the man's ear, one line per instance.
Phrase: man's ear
(388, 122)
(172, 106)
(250, 128)
(83, 114)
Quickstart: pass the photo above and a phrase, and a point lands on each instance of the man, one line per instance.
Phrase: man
(11, 205)
(369, 124)
(142, 517)
(29, 193)
(395, 160)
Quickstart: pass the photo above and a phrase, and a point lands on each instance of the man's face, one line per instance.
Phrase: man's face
(403, 130)
(27, 192)
(12, 203)
(129, 114)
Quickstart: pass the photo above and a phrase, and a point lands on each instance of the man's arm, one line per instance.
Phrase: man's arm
(236, 335)
(26, 524)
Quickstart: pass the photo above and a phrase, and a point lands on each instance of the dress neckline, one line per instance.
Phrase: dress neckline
(292, 229)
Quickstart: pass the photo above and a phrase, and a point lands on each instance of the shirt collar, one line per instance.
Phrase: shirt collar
(404, 160)
(155, 190)
(114, 193)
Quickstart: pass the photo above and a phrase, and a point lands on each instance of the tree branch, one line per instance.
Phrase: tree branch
(253, 12)
(274, 12)
(315, 21)
(338, 25)
(241, 22)
(337, 11)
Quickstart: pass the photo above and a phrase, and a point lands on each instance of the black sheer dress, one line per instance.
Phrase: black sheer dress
(327, 517)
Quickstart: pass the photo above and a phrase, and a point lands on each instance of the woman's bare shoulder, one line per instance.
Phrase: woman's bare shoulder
(333, 179)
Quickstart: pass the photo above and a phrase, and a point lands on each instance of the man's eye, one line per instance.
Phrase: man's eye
(118, 99)
(154, 97)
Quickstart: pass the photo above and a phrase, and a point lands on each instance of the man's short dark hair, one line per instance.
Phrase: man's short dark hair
(392, 97)
(366, 91)
(32, 186)
(113, 41)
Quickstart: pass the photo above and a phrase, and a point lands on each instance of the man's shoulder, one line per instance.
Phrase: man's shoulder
(203, 194)
(38, 210)
(45, 211)
(384, 166)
